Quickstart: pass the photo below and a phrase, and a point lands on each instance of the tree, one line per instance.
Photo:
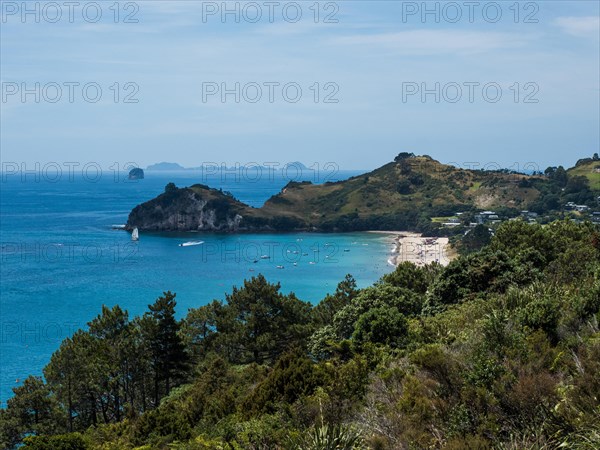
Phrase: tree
(259, 322)
(476, 239)
(75, 374)
(344, 293)
(200, 326)
(382, 295)
(403, 187)
(111, 331)
(293, 375)
(170, 187)
(32, 410)
(577, 184)
(560, 176)
(549, 172)
(403, 155)
(551, 203)
(409, 276)
(463, 278)
(381, 326)
(168, 357)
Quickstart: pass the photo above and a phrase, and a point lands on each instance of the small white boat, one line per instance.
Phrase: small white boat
(191, 243)
(135, 236)
(118, 227)
(265, 257)
(280, 267)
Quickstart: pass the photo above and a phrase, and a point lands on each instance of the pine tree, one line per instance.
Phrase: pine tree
(259, 322)
(168, 357)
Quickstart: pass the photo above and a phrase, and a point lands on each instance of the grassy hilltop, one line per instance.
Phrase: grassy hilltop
(410, 189)
(589, 168)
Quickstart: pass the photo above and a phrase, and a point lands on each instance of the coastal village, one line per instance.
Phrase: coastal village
(420, 250)
(577, 213)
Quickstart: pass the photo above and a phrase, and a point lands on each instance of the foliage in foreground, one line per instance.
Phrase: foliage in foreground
(500, 349)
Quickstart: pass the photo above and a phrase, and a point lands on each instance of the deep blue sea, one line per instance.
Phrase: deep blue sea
(61, 260)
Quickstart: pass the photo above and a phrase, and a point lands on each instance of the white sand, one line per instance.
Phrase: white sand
(412, 247)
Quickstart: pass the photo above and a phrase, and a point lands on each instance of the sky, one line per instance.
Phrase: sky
(512, 84)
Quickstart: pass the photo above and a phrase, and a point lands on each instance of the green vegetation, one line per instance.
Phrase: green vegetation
(589, 168)
(500, 349)
(412, 193)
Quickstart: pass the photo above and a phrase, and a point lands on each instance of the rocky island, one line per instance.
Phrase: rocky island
(136, 174)
(409, 193)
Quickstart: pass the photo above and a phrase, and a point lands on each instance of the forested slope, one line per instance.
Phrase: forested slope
(500, 349)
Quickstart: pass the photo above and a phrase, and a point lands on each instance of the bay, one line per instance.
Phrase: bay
(61, 260)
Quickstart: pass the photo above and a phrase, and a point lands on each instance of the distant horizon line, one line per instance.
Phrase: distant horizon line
(24, 168)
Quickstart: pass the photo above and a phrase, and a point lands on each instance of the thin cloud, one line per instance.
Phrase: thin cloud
(586, 26)
(429, 42)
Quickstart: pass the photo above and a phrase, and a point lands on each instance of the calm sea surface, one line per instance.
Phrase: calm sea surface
(61, 261)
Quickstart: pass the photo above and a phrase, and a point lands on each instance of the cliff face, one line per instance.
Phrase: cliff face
(200, 208)
(188, 209)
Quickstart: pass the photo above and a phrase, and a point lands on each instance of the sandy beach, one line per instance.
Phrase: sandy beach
(413, 247)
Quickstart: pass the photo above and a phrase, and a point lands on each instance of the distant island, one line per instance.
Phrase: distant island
(171, 166)
(412, 193)
(165, 166)
(136, 174)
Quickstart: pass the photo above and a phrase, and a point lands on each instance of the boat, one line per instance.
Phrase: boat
(191, 243)
(346, 249)
(280, 267)
(118, 227)
(265, 257)
(135, 236)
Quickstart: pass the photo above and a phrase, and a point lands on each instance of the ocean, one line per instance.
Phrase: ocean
(62, 260)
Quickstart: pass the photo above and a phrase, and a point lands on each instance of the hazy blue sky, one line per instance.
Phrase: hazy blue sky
(373, 50)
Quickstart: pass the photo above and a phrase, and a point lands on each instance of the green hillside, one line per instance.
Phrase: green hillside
(589, 168)
(410, 193)
(413, 188)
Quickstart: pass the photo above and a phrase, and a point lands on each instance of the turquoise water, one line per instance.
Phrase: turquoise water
(61, 260)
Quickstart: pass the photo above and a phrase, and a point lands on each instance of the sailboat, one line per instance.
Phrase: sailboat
(135, 235)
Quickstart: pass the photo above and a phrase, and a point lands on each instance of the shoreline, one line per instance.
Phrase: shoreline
(412, 247)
